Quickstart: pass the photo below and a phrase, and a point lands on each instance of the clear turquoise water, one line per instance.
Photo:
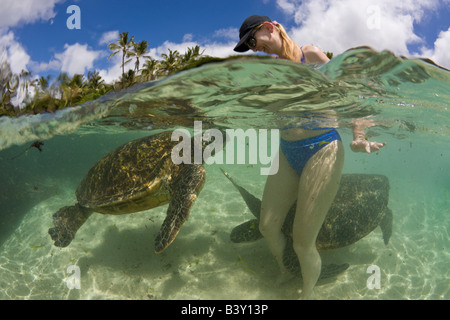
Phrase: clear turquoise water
(409, 99)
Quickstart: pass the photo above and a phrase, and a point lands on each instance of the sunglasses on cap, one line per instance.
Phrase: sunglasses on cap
(251, 41)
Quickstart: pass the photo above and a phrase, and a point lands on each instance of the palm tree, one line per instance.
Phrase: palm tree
(187, 56)
(129, 78)
(71, 90)
(43, 83)
(5, 76)
(191, 55)
(138, 50)
(122, 45)
(64, 89)
(43, 100)
(196, 52)
(95, 81)
(77, 81)
(170, 62)
(8, 85)
(149, 69)
(10, 91)
(25, 82)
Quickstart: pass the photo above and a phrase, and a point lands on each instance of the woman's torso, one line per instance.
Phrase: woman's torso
(310, 125)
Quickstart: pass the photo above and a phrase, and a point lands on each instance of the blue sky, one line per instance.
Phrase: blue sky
(34, 34)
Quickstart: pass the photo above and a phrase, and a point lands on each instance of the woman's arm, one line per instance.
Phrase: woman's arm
(360, 143)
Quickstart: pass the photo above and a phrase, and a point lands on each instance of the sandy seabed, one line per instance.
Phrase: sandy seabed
(115, 258)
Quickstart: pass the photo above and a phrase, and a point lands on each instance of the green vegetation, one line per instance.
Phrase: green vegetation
(66, 91)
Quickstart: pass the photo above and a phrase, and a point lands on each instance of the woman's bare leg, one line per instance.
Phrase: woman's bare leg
(280, 192)
(318, 186)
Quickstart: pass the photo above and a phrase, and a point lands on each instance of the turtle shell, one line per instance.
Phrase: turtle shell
(359, 207)
(134, 177)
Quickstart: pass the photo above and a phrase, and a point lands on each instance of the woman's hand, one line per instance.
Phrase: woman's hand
(360, 143)
(363, 145)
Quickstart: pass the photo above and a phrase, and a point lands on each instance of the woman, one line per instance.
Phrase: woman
(311, 158)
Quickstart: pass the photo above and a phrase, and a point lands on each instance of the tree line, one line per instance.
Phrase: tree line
(65, 91)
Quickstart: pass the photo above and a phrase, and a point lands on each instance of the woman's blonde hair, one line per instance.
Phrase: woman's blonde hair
(289, 46)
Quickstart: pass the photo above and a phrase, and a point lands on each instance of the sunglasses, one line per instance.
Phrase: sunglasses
(251, 41)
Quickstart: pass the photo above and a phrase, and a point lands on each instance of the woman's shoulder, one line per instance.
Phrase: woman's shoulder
(313, 54)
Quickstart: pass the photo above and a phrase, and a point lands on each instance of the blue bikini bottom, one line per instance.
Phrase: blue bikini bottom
(299, 152)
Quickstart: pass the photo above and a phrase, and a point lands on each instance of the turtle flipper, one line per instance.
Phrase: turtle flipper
(253, 203)
(332, 270)
(386, 225)
(246, 232)
(67, 221)
(185, 189)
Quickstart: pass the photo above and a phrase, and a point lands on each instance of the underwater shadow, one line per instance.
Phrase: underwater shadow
(259, 263)
(16, 201)
(123, 248)
(131, 252)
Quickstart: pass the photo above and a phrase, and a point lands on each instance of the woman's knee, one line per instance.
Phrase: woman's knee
(305, 247)
(268, 228)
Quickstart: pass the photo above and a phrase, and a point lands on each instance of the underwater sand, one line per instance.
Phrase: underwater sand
(116, 259)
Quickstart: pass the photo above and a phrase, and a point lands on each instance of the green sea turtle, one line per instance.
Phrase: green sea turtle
(359, 207)
(137, 176)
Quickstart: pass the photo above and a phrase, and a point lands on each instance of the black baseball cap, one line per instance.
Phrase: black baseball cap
(246, 29)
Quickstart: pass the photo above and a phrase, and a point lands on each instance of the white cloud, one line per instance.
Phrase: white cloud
(439, 53)
(16, 55)
(227, 33)
(109, 37)
(188, 37)
(14, 12)
(221, 50)
(45, 66)
(339, 25)
(18, 58)
(287, 6)
(114, 72)
(76, 58)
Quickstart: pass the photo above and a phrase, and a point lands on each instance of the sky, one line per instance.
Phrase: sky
(34, 34)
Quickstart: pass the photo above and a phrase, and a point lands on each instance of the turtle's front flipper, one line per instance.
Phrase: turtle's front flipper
(185, 189)
(67, 221)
